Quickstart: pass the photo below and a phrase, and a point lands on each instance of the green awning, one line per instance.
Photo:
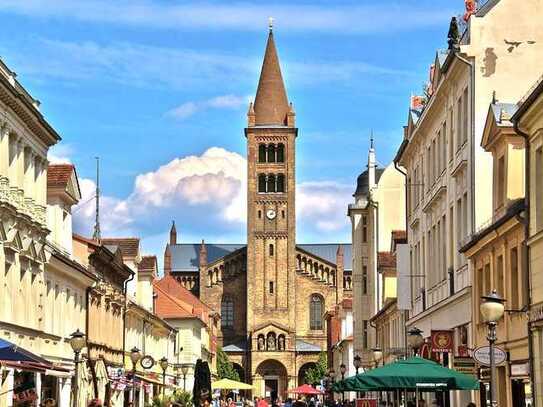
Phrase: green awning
(410, 374)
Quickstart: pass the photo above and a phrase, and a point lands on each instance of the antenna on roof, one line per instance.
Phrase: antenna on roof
(97, 234)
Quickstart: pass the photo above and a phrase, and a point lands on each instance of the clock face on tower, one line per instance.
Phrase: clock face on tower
(270, 214)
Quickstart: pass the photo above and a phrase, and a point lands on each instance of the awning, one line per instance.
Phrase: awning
(410, 374)
(228, 384)
(16, 357)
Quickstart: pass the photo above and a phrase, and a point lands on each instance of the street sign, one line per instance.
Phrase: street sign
(482, 355)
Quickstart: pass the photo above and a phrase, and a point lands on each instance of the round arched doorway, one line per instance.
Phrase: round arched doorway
(271, 380)
(303, 370)
(238, 368)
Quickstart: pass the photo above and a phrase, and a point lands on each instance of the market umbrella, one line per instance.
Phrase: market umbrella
(305, 389)
(228, 384)
(410, 374)
(12, 353)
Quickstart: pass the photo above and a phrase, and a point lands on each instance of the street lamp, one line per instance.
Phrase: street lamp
(492, 309)
(164, 365)
(342, 370)
(185, 370)
(357, 362)
(377, 355)
(135, 356)
(415, 339)
(77, 342)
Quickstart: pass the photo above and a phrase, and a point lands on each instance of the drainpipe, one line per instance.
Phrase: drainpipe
(405, 312)
(526, 248)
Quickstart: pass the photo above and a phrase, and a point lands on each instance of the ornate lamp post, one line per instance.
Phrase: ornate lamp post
(357, 362)
(331, 378)
(135, 356)
(415, 339)
(184, 370)
(492, 309)
(164, 365)
(77, 342)
(342, 370)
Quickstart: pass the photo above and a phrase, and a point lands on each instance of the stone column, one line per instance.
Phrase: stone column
(4, 151)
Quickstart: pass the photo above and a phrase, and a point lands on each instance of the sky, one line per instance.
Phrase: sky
(159, 91)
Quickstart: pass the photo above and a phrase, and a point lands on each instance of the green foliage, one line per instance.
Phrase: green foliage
(179, 397)
(225, 368)
(315, 374)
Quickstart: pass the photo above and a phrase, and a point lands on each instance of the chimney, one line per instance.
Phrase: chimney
(173, 234)
(147, 269)
(339, 273)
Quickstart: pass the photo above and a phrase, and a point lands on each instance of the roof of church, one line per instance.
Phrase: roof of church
(271, 103)
(185, 256)
(302, 346)
(362, 183)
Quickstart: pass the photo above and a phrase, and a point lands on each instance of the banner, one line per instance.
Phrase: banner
(442, 341)
(403, 271)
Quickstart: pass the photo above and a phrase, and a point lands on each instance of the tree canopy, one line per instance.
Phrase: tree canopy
(315, 374)
(225, 368)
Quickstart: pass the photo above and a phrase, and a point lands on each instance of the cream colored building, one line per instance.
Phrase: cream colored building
(379, 208)
(449, 174)
(25, 137)
(496, 257)
(529, 124)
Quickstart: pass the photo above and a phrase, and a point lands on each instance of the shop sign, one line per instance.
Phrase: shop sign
(463, 351)
(366, 402)
(520, 369)
(147, 362)
(482, 355)
(464, 365)
(442, 341)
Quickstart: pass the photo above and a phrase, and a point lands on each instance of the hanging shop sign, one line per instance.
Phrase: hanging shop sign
(442, 341)
(482, 355)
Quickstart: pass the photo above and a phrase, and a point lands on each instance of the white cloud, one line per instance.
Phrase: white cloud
(241, 16)
(188, 109)
(60, 154)
(207, 196)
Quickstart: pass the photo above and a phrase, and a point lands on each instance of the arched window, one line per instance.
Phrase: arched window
(271, 250)
(261, 153)
(271, 183)
(280, 183)
(280, 153)
(271, 153)
(227, 313)
(316, 308)
(261, 182)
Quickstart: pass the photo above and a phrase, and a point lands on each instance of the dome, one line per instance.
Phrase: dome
(362, 182)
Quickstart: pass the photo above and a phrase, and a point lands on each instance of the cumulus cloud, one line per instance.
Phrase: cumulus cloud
(207, 195)
(188, 109)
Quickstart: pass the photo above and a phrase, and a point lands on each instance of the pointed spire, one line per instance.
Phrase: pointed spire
(271, 103)
(173, 233)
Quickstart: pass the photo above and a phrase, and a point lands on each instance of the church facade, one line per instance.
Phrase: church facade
(272, 293)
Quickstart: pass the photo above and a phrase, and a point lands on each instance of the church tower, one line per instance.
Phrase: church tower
(271, 229)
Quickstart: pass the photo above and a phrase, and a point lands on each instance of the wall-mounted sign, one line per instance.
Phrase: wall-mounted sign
(147, 362)
(442, 341)
(520, 369)
(464, 365)
(482, 355)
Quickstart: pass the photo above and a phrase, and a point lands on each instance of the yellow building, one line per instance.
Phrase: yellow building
(25, 137)
(528, 121)
(496, 256)
(153, 336)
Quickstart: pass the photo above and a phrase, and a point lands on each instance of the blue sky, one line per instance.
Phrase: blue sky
(159, 90)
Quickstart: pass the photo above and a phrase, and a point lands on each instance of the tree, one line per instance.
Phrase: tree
(315, 374)
(225, 368)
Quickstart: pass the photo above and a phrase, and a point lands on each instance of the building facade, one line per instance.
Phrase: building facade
(496, 258)
(379, 208)
(271, 292)
(528, 121)
(449, 174)
(25, 137)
